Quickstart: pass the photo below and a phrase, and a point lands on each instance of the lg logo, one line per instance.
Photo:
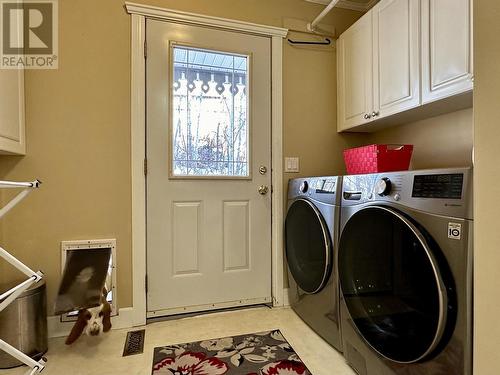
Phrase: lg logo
(29, 33)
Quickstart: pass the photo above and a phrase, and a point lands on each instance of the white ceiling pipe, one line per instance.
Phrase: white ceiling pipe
(312, 26)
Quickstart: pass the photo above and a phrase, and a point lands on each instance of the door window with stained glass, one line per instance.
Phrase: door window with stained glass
(210, 106)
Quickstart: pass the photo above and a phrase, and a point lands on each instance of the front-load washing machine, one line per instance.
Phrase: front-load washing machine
(405, 270)
(311, 233)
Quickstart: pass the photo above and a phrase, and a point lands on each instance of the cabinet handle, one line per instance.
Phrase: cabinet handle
(367, 116)
(375, 114)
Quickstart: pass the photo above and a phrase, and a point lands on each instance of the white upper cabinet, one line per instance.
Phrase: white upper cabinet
(446, 48)
(355, 74)
(396, 57)
(401, 56)
(12, 137)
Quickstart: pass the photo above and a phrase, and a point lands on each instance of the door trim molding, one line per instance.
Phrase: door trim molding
(277, 170)
(138, 155)
(150, 11)
(139, 13)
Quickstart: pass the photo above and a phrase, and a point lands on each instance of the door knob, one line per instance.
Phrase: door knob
(375, 114)
(367, 116)
(263, 189)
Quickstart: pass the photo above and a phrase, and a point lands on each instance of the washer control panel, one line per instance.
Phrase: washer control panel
(441, 191)
(325, 185)
(323, 189)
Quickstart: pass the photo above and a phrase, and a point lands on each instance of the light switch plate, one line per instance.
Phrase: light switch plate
(292, 165)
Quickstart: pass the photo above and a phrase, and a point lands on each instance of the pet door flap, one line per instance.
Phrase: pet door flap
(83, 279)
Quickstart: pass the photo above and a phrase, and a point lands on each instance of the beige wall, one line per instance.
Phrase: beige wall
(487, 187)
(439, 142)
(78, 127)
(310, 110)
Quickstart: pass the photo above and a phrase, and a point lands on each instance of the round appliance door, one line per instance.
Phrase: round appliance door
(308, 246)
(392, 284)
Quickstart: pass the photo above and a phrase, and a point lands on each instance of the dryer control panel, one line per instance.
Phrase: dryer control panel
(443, 186)
(440, 191)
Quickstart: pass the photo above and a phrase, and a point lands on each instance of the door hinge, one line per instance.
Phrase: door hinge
(145, 167)
(145, 49)
(146, 283)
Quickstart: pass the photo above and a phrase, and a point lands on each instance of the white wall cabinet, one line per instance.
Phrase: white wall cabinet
(446, 48)
(12, 129)
(355, 74)
(413, 52)
(396, 54)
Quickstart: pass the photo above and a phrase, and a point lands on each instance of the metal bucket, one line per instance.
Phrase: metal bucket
(23, 324)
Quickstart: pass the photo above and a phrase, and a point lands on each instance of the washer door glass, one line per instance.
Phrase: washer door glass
(308, 246)
(392, 285)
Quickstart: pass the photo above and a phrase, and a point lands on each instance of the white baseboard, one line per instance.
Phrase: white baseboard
(56, 328)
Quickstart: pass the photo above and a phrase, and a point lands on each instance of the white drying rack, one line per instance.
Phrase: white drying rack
(33, 277)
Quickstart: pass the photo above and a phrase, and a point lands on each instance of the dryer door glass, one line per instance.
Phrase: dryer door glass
(308, 246)
(392, 285)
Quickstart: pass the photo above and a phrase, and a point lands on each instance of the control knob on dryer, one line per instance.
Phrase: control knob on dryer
(383, 187)
(304, 186)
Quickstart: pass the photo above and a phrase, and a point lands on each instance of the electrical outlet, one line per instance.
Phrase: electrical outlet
(292, 165)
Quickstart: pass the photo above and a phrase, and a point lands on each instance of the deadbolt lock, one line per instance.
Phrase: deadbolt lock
(262, 170)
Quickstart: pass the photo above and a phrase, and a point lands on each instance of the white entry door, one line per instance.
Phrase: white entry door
(208, 168)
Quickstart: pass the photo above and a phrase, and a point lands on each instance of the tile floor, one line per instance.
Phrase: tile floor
(103, 355)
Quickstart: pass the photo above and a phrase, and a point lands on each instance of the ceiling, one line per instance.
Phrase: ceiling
(360, 5)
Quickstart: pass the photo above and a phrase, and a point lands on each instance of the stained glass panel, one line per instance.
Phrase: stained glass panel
(209, 114)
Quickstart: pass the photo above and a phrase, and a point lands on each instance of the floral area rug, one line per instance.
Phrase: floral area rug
(263, 353)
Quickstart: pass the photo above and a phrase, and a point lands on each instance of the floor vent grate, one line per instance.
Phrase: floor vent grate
(134, 344)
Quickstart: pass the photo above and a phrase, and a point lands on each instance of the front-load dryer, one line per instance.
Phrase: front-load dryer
(311, 233)
(405, 270)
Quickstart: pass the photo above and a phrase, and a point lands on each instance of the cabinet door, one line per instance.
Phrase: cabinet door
(446, 48)
(354, 72)
(12, 139)
(396, 56)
